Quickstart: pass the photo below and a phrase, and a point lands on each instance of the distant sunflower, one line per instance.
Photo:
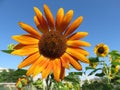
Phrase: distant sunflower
(55, 47)
(101, 50)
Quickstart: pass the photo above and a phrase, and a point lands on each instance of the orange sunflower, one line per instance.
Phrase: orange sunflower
(55, 47)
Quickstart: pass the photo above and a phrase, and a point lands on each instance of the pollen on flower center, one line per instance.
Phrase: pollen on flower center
(101, 50)
(52, 44)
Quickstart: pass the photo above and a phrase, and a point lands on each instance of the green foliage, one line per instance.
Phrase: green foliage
(114, 54)
(7, 51)
(75, 73)
(110, 71)
(97, 86)
(115, 63)
(38, 84)
(73, 77)
(88, 68)
(95, 70)
(100, 74)
(12, 75)
(94, 59)
(70, 82)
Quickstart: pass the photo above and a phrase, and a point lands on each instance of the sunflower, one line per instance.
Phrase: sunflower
(55, 47)
(101, 50)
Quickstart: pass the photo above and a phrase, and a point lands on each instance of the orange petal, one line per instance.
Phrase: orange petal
(47, 71)
(73, 62)
(65, 62)
(26, 50)
(78, 43)
(19, 46)
(57, 69)
(30, 30)
(77, 55)
(80, 50)
(25, 39)
(59, 18)
(66, 20)
(62, 74)
(78, 35)
(35, 65)
(29, 60)
(31, 69)
(41, 26)
(42, 64)
(40, 20)
(49, 17)
(74, 26)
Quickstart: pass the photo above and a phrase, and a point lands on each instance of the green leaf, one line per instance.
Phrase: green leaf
(115, 63)
(118, 81)
(114, 54)
(99, 74)
(75, 73)
(118, 76)
(7, 51)
(94, 71)
(71, 79)
(94, 59)
(89, 68)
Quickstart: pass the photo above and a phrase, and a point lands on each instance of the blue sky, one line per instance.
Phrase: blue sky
(101, 21)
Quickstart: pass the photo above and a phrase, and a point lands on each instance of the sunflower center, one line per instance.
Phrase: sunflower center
(101, 50)
(52, 44)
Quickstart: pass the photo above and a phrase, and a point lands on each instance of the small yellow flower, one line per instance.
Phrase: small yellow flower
(117, 68)
(54, 46)
(101, 50)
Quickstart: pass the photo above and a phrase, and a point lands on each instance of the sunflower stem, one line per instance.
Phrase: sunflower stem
(107, 70)
(48, 82)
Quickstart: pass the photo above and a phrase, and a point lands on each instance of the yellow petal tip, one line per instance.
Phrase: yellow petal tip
(19, 67)
(45, 6)
(20, 23)
(35, 8)
(71, 11)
